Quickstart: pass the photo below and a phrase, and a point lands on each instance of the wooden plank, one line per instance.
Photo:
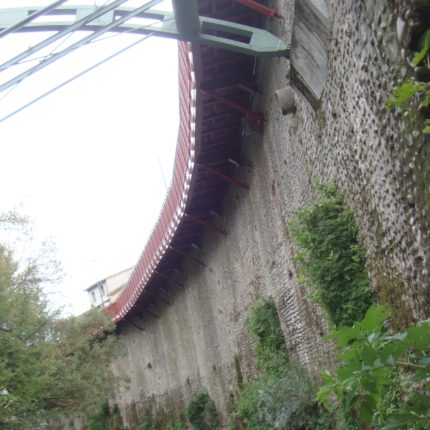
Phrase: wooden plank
(309, 53)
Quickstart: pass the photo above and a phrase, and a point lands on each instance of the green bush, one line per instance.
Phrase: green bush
(100, 420)
(404, 95)
(145, 425)
(383, 380)
(269, 346)
(283, 397)
(274, 402)
(106, 418)
(202, 413)
(177, 423)
(332, 261)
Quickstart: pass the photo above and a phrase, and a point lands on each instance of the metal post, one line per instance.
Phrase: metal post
(187, 17)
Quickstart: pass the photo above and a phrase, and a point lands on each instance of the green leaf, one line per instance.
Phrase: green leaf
(367, 408)
(373, 321)
(400, 420)
(403, 94)
(344, 335)
(425, 46)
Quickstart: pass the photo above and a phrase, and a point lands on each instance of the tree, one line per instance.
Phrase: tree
(49, 366)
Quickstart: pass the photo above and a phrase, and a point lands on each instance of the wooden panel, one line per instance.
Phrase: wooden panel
(309, 54)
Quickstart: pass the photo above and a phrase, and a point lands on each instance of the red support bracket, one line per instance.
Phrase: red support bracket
(272, 12)
(189, 257)
(170, 279)
(135, 325)
(257, 117)
(225, 177)
(206, 224)
(158, 298)
(151, 313)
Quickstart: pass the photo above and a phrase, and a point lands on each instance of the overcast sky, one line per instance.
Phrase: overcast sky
(84, 163)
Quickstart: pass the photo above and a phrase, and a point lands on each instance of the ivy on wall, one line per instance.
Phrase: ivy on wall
(283, 397)
(263, 323)
(332, 260)
(202, 413)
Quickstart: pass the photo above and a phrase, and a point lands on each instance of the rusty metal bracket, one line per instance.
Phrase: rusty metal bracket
(240, 184)
(257, 117)
(169, 278)
(206, 224)
(272, 12)
(188, 256)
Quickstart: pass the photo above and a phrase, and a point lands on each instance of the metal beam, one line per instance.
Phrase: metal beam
(78, 24)
(31, 17)
(78, 44)
(258, 42)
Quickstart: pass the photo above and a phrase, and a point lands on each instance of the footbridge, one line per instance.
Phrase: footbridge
(216, 91)
(220, 41)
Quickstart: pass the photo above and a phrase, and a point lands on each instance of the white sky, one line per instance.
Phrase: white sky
(84, 163)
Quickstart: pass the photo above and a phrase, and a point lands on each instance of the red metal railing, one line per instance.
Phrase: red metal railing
(175, 202)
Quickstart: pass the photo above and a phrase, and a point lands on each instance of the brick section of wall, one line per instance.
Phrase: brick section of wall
(351, 140)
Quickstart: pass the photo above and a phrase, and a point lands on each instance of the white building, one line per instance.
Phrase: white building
(105, 291)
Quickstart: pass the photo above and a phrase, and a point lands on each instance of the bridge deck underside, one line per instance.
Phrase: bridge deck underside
(231, 76)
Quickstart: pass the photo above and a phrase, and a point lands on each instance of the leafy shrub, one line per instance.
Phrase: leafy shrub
(285, 402)
(269, 346)
(106, 418)
(403, 95)
(202, 413)
(145, 425)
(383, 380)
(100, 420)
(283, 396)
(177, 425)
(332, 261)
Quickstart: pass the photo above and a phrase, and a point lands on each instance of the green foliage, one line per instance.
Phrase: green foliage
(178, 424)
(403, 95)
(49, 366)
(382, 379)
(238, 371)
(202, 413)
(424, 49)
(106, 418)
(283, 396)
(100, 419)
(269, 346)
(280, 402)
(158, 418)
(145, 425)
(332, 261)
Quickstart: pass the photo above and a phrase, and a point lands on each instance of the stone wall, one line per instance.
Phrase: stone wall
(347, 137)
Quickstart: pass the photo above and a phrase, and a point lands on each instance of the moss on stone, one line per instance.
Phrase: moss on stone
(389, 291)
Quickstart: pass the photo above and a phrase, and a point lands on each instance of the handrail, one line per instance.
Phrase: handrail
(174, 205)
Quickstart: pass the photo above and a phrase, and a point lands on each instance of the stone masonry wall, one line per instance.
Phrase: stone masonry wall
(374, 155)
